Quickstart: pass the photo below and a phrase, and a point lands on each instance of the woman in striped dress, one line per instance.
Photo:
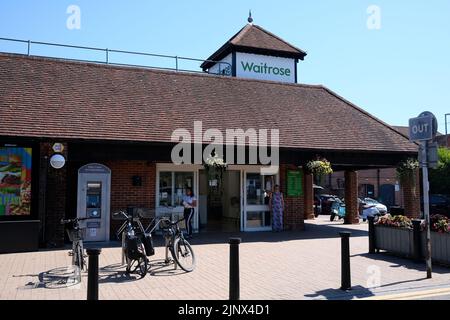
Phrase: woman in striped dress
(276, 205)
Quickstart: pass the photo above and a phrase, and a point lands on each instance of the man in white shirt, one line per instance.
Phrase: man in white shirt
(189, 203)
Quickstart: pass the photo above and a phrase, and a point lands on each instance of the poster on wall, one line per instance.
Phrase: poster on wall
(15, 181)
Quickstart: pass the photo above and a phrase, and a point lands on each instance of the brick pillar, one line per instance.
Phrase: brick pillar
(294, 212)
(351, 197)
(308, 195)
(411, 194)
(53, 208)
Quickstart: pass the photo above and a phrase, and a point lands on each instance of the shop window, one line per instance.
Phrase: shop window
(165, 188)
(15, 181)
(173, 186)
(183, 181)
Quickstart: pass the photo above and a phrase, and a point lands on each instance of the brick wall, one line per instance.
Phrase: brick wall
(52, 197)
(124, 194)
(294, 206)
(351, 197)
(411, 195)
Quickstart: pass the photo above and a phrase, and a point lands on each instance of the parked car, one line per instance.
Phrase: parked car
(326, 203)
(440, 204)
(367, 208)
(381, 207)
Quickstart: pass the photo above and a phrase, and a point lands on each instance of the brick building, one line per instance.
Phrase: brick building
(113, 125)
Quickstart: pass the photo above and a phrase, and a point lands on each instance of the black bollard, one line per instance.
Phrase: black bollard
(372, 245)
(234, 268)
(345, 261)
(92, 285)
(417, 247)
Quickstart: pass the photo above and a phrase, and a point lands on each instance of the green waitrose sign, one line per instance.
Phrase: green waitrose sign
(263, 68)
(294, 183)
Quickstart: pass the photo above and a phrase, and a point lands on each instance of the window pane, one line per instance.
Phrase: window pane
(255, 194)
(183, 181)
(165, 188)
(255, 219)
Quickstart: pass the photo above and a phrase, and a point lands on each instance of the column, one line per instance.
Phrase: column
(308, 196)
(351, 197)
(411, 195)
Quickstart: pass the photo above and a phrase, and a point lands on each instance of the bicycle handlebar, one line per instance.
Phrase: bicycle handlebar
(67, 221)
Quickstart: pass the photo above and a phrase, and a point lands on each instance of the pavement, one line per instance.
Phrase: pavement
(273, 266)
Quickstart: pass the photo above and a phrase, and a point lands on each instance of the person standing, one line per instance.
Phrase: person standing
(189, 203)
(276, 205)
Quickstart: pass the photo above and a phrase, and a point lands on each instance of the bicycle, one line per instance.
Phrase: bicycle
(76, 235)
(136, 244)
(179, 247)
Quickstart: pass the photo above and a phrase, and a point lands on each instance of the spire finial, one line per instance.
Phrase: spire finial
(250, 19)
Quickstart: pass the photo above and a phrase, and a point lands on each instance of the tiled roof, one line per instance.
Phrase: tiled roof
(255, 39)
(42, 97)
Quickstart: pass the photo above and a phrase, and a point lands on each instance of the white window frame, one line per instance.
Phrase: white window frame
(173, 168)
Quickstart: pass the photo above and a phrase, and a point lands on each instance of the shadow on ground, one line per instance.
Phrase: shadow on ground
(401, 262)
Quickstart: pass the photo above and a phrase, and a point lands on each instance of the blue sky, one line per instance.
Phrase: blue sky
(394, 73)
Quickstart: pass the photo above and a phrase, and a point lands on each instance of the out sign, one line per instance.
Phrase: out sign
(421, 128)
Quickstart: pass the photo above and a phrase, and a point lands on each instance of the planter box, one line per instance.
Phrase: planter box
(440, 247)
(400, 242)
(394, 240)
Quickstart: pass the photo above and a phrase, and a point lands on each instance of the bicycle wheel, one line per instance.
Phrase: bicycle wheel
(139, 265)
(183, 254)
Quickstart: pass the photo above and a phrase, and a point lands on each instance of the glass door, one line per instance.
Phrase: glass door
(257, 189)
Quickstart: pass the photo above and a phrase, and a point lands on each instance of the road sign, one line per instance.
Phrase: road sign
(421, 128)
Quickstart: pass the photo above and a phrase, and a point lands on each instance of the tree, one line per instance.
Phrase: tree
(440, 177)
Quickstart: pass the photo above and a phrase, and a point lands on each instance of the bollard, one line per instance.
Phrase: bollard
(92, 285)
(417, 241)
(345, 261)
(372, 241)
(234, 268)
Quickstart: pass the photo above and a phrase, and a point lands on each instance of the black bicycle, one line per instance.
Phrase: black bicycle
(136, 244)
(76, 235)
(178, 246)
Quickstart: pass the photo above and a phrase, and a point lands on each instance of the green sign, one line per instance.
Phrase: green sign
(265, 69)
(294, 183)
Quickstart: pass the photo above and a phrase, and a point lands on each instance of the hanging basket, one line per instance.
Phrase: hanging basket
(319, 168)
(215, 167)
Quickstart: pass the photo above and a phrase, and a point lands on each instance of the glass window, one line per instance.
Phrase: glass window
(259, 188)
(172, 187)
(258, 219)
(255, 194)
(183, 181)
(165, 188)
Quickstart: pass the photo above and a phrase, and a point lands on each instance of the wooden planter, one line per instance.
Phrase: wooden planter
(398, 241)
(440, 247)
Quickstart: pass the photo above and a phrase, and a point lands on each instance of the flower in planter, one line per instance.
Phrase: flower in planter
(396, 221)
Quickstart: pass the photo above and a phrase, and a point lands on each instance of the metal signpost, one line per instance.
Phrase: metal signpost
(424, 129)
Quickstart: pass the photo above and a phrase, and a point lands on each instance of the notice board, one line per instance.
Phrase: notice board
(294, 183)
